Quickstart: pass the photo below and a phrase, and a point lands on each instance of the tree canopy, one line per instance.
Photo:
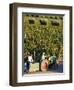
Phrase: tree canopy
(43, 33)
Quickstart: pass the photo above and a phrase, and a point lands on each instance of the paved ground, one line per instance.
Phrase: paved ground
(47, 73)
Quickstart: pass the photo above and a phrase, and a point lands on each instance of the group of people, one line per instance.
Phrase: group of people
(44, 62)
(47, 61)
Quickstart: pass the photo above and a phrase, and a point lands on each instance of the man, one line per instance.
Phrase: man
(30, 59)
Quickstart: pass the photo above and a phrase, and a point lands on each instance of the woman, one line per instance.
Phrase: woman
(44, 64)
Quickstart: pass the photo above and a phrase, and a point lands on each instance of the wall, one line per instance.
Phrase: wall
(4, 45)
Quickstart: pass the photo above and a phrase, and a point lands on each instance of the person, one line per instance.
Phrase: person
(26, 65)
(43, 56)
(44, 64)
(30, 59)
(52, 62)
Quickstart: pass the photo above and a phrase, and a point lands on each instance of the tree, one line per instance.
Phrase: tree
(44, 37)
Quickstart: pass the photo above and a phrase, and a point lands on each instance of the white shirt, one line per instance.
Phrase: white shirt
(43, 56)
(30, 59)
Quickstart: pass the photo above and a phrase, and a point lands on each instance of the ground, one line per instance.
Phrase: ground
(50, 73)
